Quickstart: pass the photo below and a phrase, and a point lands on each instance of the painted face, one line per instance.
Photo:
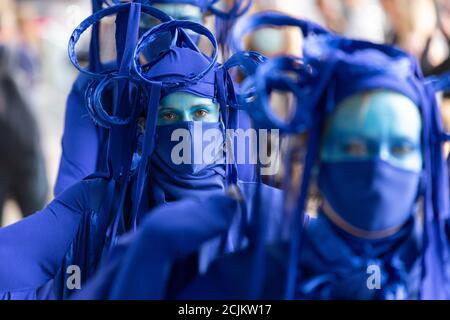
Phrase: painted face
(375, 125)
(182, 106)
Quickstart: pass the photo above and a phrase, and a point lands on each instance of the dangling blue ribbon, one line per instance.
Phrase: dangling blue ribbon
(267, 77)
(128, 98)
(176, 29)
(225, 21)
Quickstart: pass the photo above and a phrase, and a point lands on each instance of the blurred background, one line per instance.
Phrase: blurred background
(36, 75)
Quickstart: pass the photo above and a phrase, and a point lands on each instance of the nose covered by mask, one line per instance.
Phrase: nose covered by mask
(370, 193)
(189, 148)
(188, 160)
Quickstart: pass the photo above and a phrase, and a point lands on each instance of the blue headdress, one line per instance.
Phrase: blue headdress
(335, 69)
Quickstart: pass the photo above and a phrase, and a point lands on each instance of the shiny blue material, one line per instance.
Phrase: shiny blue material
(80, 160)
(35, 252)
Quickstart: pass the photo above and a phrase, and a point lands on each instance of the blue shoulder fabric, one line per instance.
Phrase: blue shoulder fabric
(227, 277)
(144, 264)
(398, 258)
(344, 67)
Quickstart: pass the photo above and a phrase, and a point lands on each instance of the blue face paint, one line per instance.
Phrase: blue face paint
(377, 125)
(182, 106)
(371, 162)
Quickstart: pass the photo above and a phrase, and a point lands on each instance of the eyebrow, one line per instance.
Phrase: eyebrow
(206, 104)
(167, 109)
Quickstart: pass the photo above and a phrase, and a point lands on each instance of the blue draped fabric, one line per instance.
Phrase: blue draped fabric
(333, 265)
(178, 241)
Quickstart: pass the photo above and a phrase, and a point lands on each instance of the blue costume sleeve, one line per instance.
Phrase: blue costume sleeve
(32, 251)
(228, 277)
(142, 267)
(80, 142)
(171, 232)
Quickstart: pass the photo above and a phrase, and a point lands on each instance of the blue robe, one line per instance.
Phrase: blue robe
(36, 253)
(332, 265)
(176, 243)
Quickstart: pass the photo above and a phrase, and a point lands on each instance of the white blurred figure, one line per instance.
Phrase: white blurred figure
(358, 19)
(365, 20)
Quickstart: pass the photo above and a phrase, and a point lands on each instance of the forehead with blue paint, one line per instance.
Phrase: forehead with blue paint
(183, 106)
(375, 125)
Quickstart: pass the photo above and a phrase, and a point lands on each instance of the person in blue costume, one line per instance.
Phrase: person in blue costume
(375, 138)
(83, 224)
(166, 253)
(80, 160)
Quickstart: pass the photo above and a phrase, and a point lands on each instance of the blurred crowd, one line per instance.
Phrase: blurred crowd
(36, 76)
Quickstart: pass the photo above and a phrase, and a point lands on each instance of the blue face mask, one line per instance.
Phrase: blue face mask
(190, 147)
(188, 160)
(368, 197)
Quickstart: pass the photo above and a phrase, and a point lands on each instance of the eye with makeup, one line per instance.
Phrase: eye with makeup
(355, 148)
(403, 149)
(167, 115)
(200, 112)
